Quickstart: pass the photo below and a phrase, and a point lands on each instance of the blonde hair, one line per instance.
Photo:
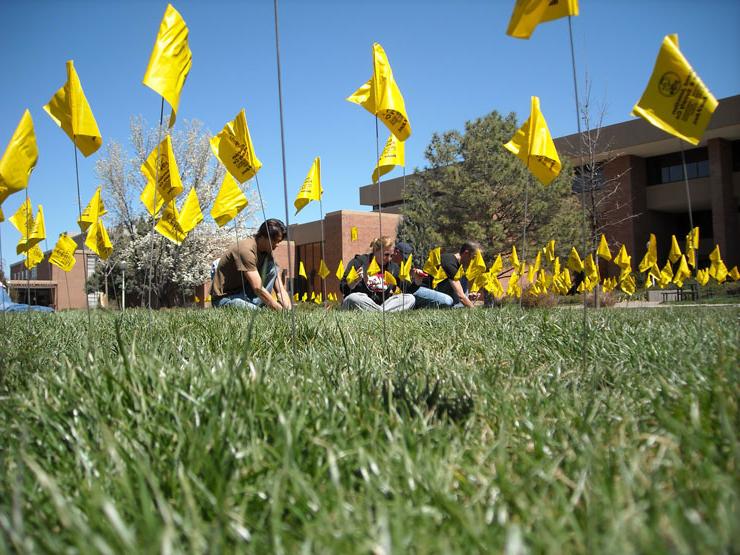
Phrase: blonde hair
(380, 243)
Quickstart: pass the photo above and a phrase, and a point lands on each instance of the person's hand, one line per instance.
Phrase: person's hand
(418, 275)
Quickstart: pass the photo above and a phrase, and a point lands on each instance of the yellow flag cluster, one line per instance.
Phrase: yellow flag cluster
(70, 110)
(381, 96)
(311, 188)
(170, 60)
(528, 14)
(533, 145)
(32, 230)
(676, 100)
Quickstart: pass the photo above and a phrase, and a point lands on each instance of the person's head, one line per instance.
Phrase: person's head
(468, 250)
(270, 234)
(401, 252)
(382, 249)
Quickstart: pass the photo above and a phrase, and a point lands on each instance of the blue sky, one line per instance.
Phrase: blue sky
(451, 59)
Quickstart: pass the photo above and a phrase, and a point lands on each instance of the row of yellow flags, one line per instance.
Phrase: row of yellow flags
(559, 278)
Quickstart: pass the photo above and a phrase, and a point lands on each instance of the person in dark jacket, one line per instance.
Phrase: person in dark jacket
(368, 289)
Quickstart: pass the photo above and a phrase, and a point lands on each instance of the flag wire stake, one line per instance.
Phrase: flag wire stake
(150, 271)
(2, 272)
(584, 336)
(323, 280)
(84, 254)
(524, 224)
(380, 215)
(241, 274)
(264, 217)
(686, 183)
(285, 172)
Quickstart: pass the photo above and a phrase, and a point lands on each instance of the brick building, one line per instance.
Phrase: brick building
(47, 285)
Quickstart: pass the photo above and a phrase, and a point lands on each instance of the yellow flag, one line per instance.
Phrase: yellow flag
(623, 260)
(404, 273)
(381, 96)
(734, 273)
(476, 267)
(169, 224)
(438, 276)
(311, 188)
(353, 233)
(528, 14)
(34, 255)
(717, 268)
(513, 289)
(305, 297)
(496, 267)
(38, 233)
(515, 258)
(302, 270)
(393, 155)
(19, 158)
(233, 147)
(170, 61)
(692, 239)
(609, 284)
(190, 213)
(603, 250)
(2, 216)
(591, 270)
(166, 178)
(682, 272)
(675, 252)
(533, 145)
(229, 201)
(574, 263)
(22, 220)
(459, 274)
(94, 210)
(323, 270)
(702, 277)
(666, 275)
(70, 111)
(352, 275)
(313, 295)
(651, 255)
(340, 270)
(433, 260)
(627, 283)
(63, 255)
(98, 241)
(373, 268)
(389, 279)
(549, 250)
(676, 100)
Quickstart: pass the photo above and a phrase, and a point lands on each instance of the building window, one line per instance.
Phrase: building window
(668, 168)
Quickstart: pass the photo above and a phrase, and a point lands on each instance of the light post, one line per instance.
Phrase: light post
(123, 285)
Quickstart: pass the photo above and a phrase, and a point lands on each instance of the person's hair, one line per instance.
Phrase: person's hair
(471, 246)
(382, 242)
(272, 228)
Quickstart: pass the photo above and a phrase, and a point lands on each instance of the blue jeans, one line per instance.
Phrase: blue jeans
(247, 298)
(429, 298)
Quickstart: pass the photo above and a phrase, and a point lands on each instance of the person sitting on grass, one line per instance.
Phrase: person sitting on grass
(364, 284)
(247, 274)
(420, 285)
(455, 288)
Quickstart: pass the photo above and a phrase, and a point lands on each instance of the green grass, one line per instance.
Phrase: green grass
(470, 431)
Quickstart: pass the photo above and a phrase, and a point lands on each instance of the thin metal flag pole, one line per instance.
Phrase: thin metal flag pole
(150, 270)
(241, 274)
(686, 183)
(285, 172)
(2, 272)
(323, 256)
(84, 254)
(29, 215)
(524, 223)
(380, 221)
(583, 189)
(264, 217)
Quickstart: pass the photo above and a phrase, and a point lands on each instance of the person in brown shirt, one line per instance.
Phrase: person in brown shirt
(247, 274)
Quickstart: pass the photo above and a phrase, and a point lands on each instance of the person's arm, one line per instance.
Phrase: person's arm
(457, 288)
(282, 293)
(255, 281)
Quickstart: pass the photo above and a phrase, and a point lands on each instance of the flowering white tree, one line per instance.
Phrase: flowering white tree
(155, 265)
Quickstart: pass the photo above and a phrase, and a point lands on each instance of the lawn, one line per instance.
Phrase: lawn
(463, 432)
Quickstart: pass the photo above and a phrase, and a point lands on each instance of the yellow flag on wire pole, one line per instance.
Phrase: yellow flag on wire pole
(34, 255)
(353, 233)
(381, 96)
(230, 200)
(22, 220)
(393, 155)
(169, 224)
(166, 179)
(70, 111)
(340, 270)
(311, 188)
(94, 210)
(63, 255)
(302, 270)
(533, 145)
(323, 270)
(190, 213)
(651, 255)
(676, 100)
(528, 14)
(98, 241)
(19, 158)
(170, 60)
(233, 147)
(603, 250)
(38, 232)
